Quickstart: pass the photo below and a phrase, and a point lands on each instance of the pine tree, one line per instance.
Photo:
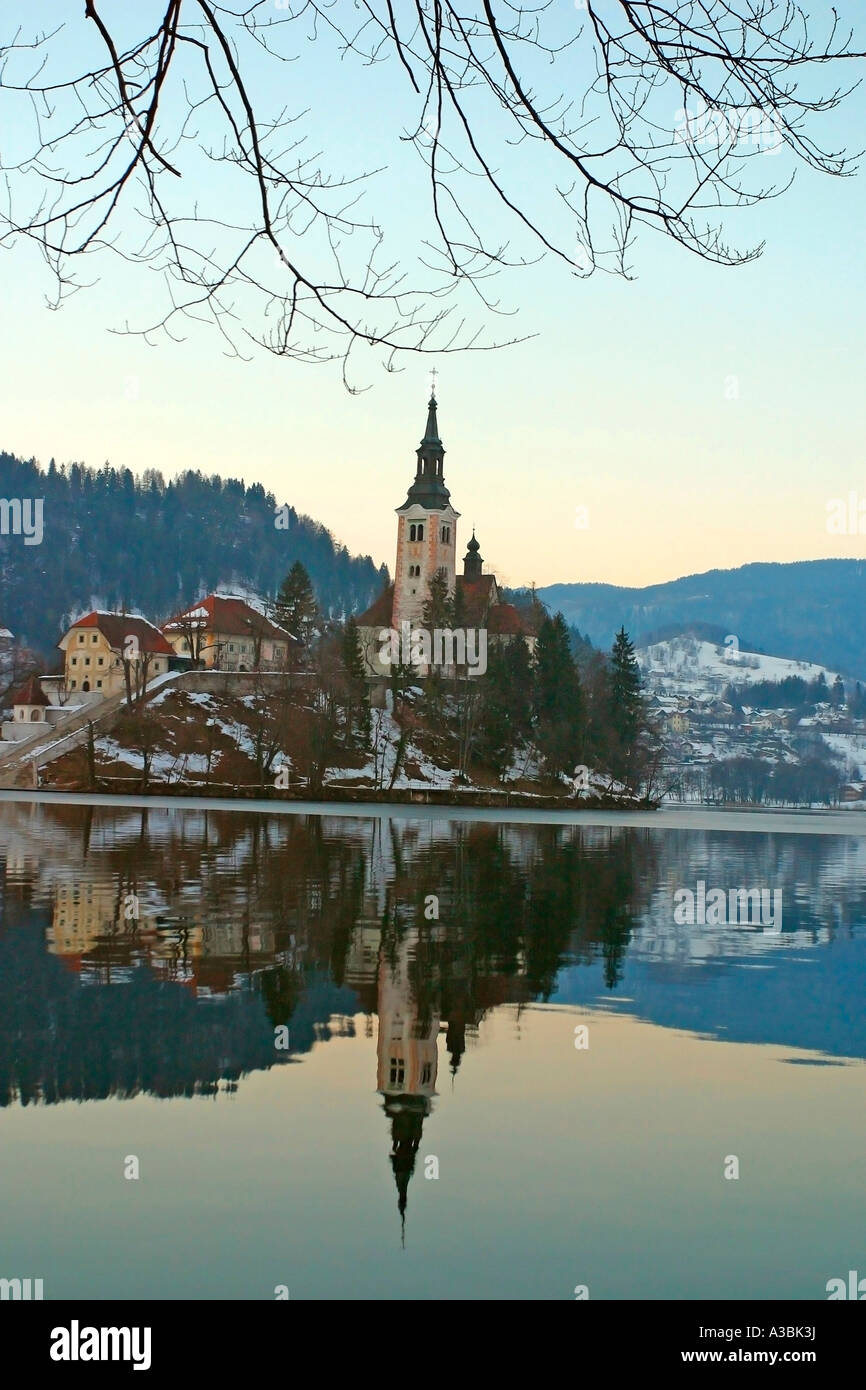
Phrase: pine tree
(295, 607)
(627, 714)
(507, 709)
(559, 706)
(358, 703)
(438, 610)
(625, 687)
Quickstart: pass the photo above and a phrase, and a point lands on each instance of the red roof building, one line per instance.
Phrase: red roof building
(105, 651)
(225, 631)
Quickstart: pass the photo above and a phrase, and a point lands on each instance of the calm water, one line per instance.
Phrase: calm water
(431, 1129)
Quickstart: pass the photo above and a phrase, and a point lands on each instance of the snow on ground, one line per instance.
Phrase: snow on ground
(692, 664)
(162, 764)
(851, 748)
(195, 697)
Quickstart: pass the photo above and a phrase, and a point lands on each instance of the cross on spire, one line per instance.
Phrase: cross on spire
(433, 375)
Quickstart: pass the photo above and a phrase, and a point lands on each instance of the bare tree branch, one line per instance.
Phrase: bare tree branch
(567, 127)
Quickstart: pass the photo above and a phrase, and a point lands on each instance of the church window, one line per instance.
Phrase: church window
(398, 1071)
(446, 535)
(412, 529)
(420, 536)
(426, 1073)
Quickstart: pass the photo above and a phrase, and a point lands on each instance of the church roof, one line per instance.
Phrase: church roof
(380, 611)
(477, 596)
(481, 608)
(505, 620)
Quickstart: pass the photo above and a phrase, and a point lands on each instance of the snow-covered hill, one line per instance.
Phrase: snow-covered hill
(690, 665)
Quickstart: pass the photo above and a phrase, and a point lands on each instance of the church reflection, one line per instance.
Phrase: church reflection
(157, 952)
(407, 1063)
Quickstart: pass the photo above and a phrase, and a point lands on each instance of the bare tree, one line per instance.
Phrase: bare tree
(193, 630)
(15, 667)
(136, 671)
(134, 133)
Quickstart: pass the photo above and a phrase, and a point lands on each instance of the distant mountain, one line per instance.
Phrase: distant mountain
(811, 610)
(113, 540)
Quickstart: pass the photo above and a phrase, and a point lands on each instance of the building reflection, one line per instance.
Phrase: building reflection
(407, 1061)
(242, 923)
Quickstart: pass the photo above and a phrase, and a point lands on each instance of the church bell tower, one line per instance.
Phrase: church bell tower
(426, 529)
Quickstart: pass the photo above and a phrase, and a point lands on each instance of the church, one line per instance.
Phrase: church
(427, 543)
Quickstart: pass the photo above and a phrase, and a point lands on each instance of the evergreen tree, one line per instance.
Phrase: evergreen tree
(506, 716)
(559, 706)
(114, 540)
(295, 607)
(627, 713)
(358, 694)
(438, 609)
(437, 612)
(625, 688)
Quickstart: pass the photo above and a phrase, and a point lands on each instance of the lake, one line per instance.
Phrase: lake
(250, 1054)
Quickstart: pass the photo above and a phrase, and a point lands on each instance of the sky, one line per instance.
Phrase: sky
(693, 417)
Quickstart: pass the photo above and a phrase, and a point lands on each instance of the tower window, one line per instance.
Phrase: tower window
(398, 1071)
(412, 529)
(446, 535)
(420, 529)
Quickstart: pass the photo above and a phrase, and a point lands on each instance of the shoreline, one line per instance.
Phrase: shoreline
(829, 821)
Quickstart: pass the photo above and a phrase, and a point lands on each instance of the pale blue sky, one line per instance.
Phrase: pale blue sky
(619, 404)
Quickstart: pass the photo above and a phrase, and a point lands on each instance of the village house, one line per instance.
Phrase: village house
(225, 632)
(427, 544)
(104, 651)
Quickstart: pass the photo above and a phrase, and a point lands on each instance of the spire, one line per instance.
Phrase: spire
(406, 1114)
(429, 490)
(431, 433)
(472, 560)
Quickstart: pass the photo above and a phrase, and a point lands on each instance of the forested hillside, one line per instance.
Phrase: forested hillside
(808, 610)
(112, 539)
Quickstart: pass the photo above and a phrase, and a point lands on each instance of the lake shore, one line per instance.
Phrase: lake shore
(757, 820)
